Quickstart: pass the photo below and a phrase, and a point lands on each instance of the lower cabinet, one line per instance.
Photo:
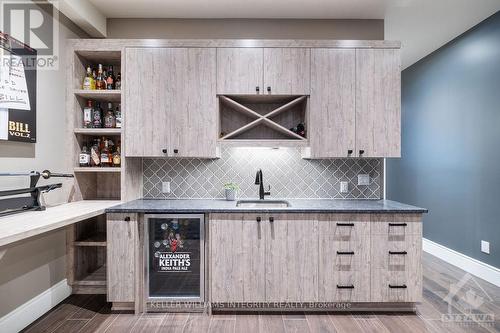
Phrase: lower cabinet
(315, 257)
(122, 241)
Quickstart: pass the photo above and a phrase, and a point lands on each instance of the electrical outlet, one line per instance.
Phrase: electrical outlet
(485, 247)
(364, 179)
(165, 187)
(344, 187)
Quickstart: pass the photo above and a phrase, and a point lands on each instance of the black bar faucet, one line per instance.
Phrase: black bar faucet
(260, 182)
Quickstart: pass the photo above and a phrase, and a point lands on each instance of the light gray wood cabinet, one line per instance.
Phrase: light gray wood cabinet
(378, 102)
(264, 71)
(355, 108)
(174, 112)
(122, 244)
(287, 71)
(332, 114)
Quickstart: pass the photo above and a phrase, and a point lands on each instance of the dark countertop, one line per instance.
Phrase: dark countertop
(297, 206)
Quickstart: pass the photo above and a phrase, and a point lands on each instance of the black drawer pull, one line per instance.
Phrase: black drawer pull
(398, 252)
(269, 89)
(345, 252)
(257, 89)
(345, 224)
(349, 151)
(397, 224)
(258, 219)
(176, 151)
(164, 151)
(127, 218)
(361, 152)
(397, 286)
(350, 286)
(271, 219)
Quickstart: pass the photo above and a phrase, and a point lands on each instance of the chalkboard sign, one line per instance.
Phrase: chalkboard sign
(17, 90)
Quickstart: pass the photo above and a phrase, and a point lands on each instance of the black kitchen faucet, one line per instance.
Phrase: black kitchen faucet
(259, 181)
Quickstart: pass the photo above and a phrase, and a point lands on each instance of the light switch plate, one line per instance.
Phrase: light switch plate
(344, 187)
(485, 247)
(165, 187)
(364, 179)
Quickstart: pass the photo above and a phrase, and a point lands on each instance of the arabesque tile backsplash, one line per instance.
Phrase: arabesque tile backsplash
(289, 175)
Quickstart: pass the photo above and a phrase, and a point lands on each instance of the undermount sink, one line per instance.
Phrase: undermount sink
(262, 204)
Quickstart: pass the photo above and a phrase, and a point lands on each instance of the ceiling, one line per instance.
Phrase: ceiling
(421, 25)
(312, 9)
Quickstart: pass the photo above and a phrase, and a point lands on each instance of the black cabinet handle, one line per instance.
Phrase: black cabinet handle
(350, 286)
(257, 89)
(345, 252)
(349, 151)
(397, 224)
(396, 286)
(398, 252)
(127, 218)
(268, 89)
(176, 151)
(164, 150)
(271, 219)
(345, 224)
(361, 152)
(258, 219)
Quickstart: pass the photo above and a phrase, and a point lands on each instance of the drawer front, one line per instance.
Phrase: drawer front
(396, 269)
(345, 286)
(396, 226)
(346, 227)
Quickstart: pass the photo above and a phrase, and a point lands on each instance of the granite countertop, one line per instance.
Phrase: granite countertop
(296, 206)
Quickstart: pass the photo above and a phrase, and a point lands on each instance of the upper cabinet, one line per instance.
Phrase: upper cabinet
(174, 112)
(287, 71)
(355, 103)
(250, 71)
(378, 102)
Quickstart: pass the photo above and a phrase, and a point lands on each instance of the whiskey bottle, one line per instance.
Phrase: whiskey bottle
(116, 157)
(97, 116)
(118, 116)
(110, 79)
(100, 82)
(118, 82)
(84, 157)
(109, 119)
(106, 158)
(87, 115)
(88, 80)
(95, 158)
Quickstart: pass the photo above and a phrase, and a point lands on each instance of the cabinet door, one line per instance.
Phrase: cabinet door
(332, 104)
(291, 261)
(287, 71)
(122, 243)
(344, 257)
(191, 82)
(237, 257)
(239, 70)
(378, 103)
(146, 103)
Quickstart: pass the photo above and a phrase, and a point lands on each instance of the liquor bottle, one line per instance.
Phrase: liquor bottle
(110, 79)
(106, 158)
(95, 158)
(87, 115)
(100, 82)
(109, 118)
(97, 116)
(118, 116)
(84, 157)
(118, 82)
(88, 80)
(117, 157)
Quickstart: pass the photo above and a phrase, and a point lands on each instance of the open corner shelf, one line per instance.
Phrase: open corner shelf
(261, 117)
(98, 131)
(99, 95)
(97, 169)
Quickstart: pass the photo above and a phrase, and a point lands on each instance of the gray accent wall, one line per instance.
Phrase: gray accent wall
(451, 142)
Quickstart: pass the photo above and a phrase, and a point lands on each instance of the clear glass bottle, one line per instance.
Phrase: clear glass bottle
(117, 160)
(109, 118)
(100, 80)
(84, 158)
(88, 80)
(118, 82)
(95, 156)
(118, 116)
(106, 158)
(97, 116)
(110, 79)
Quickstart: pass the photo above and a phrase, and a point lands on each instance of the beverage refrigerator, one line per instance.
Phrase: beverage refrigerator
(174, 258)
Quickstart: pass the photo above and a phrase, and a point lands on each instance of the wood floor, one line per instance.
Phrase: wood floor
(85, 313)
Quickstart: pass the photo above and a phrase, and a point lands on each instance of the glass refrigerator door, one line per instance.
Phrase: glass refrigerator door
(175, 256)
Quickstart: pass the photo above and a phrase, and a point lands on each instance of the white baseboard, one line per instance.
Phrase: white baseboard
(468, 264)
(30, 311)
